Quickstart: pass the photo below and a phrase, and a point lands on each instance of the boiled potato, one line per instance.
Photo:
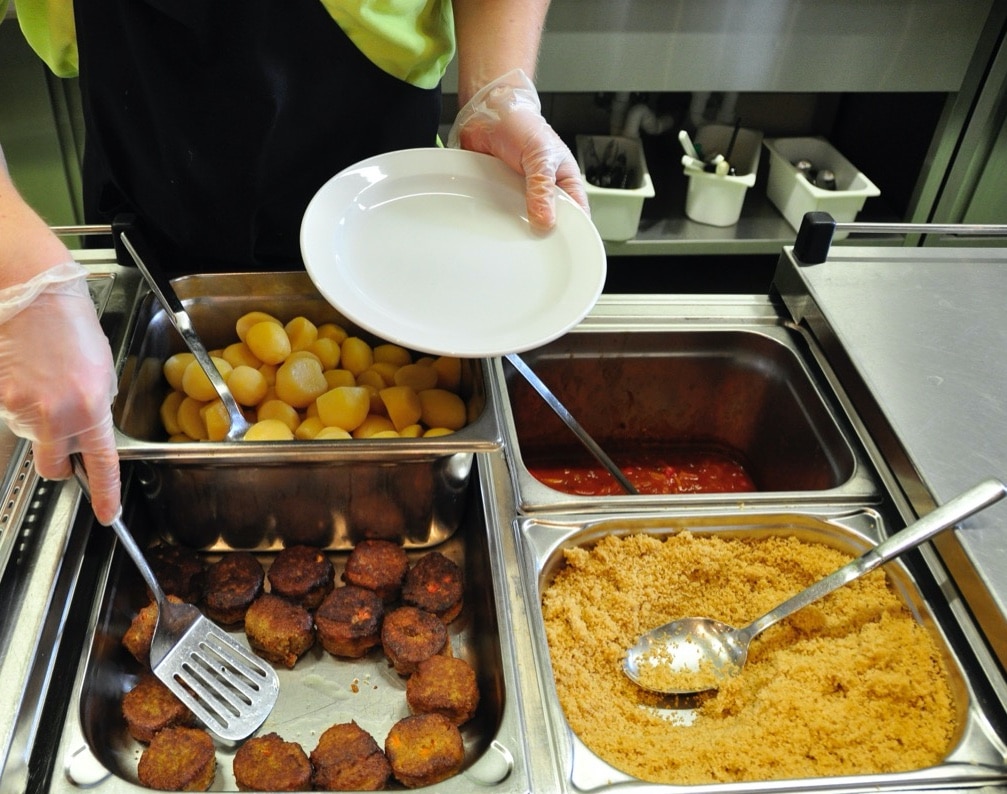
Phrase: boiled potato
(238, 353)
(280, 411)
(309, 428)
(269, 430)
(402, 404)
(417, 376)
(449, 372)
(356, 355)
(301, 332)
(328, 433)
(328, 352)
(174, 368)
(389, 353)
(249, 319)
(169, 412)
(373, 424)
(332, 331)
(248, 385)
(442, 408)
(344, 406)
(299, 381)
(195, 382)
(268, 342)
(216, 419)
(339, 377)
(190, 418)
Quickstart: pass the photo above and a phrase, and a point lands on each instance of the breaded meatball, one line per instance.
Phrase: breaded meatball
(279, 630)
(178, 759)
(179, 570)
(150, 707)
(443, 685)
(410, 635)
(138, 636)
(303, 574)
(434, 583)
(424, 749)
(378, 565)
(268, 763)
(348, 621)
(232, 584)
(348, 759)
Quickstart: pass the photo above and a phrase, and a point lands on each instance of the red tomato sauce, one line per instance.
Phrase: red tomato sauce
(678, 472)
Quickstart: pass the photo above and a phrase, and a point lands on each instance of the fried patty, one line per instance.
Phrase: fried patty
(178, 759)
(179, 570)
(268, 763)
(424, 749)
(303, 574)
(348, 621)
(150, 707)
(410, 635)
(443, 685)
(279, 630)
(232, 584)
(348, 759)
(138, 636)
(434, 584)
(378, 565)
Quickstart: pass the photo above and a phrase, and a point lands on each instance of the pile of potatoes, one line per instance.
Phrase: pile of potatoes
(302, 381)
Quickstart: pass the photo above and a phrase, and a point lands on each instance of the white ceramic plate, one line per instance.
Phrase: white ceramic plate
(432, 249)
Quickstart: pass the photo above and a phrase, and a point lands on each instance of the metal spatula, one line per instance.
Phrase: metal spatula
(225, 685)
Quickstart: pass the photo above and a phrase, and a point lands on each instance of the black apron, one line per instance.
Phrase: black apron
(215, 121)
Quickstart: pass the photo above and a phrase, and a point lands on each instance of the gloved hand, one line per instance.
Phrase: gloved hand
(57, 380)
(504, 119)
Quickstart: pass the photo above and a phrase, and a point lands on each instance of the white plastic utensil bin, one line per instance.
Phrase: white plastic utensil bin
(793, 194)
(717, 200)
(615, 210)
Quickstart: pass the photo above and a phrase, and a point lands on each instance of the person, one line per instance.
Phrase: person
(215, 123)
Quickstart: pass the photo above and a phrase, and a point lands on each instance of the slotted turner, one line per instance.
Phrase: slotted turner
(225, 685)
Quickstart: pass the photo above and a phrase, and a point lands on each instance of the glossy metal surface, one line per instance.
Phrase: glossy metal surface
(326, 493)
(710, 372)
(917, 339)
(693, 644)
(977, 756)
(95, 752)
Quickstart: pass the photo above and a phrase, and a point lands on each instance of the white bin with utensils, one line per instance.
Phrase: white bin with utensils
(793, 193)
(617, 203)
(716, 199)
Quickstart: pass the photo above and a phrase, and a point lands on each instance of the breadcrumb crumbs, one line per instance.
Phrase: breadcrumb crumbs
(852, 684)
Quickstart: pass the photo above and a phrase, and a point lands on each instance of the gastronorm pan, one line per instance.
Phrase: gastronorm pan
(97, 754)
(978, 755)
(267, 494)
(741, 389)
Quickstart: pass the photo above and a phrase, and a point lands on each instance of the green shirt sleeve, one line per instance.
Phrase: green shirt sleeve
(410, 39)
(49, 29)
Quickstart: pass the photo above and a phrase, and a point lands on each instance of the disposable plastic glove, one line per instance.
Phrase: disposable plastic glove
(504, 119)
(57, 380)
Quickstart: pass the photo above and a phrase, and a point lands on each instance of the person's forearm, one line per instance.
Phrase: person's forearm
(494, 37)
(27, 246)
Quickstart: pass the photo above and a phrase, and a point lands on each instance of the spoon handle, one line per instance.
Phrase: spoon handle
(961, 507)
(160, 285)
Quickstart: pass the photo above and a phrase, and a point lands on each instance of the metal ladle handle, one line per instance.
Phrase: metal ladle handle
(161, 286)
(958, 509)
(570, 421)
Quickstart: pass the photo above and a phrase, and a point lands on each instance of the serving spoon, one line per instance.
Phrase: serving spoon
(697, 654)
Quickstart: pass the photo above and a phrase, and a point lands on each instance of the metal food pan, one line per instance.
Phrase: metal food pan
(977, 756)
(97, 754)
(742, 390)
(260, 495)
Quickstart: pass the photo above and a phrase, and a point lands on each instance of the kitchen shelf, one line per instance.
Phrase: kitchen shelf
(665, 228)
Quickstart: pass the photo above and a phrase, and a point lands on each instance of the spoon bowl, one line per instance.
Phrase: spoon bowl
(697, 654)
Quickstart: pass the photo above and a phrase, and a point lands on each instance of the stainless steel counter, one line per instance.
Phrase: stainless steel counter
(918, 338)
